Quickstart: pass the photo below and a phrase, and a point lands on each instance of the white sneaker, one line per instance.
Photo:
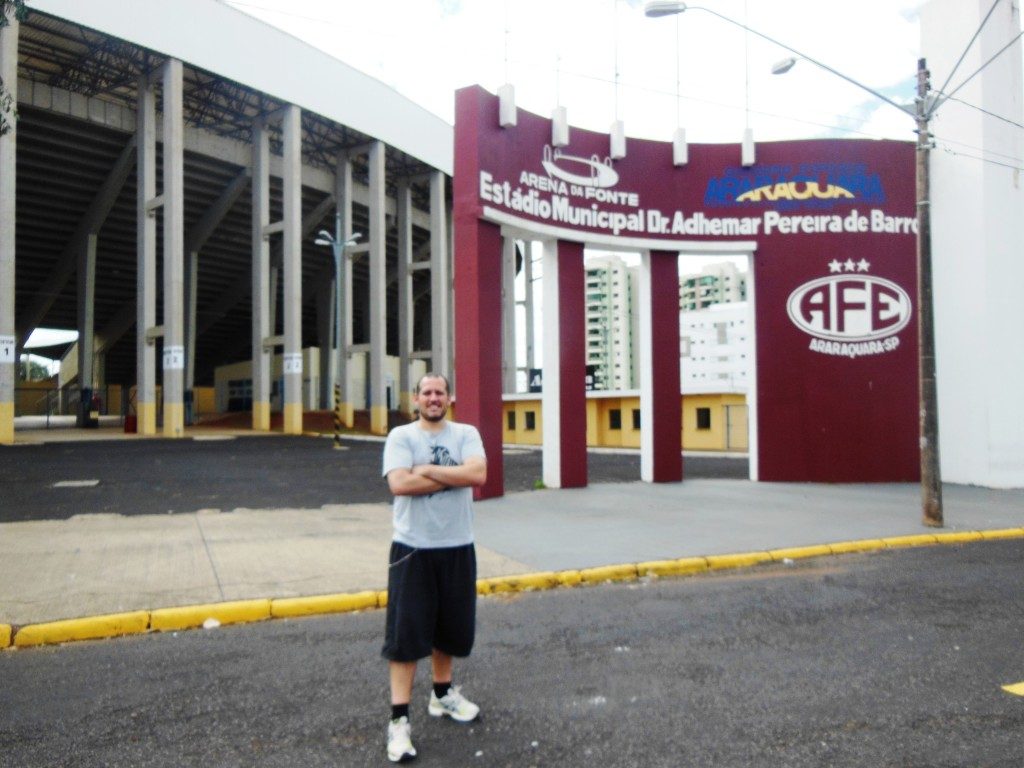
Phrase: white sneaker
(454, 705)
(400, 748)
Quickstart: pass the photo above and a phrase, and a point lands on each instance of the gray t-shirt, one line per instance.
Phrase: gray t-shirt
(445, 518)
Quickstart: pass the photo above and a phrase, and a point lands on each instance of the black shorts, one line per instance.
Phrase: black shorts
(431, 602)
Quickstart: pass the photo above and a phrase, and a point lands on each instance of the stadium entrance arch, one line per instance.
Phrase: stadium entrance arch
(831, 226)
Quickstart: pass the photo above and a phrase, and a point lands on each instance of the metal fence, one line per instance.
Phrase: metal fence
(67, 401)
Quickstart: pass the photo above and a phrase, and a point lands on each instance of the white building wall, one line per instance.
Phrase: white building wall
(978, 244)
(715, 349)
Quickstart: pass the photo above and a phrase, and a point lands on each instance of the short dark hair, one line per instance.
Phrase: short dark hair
(432, 375)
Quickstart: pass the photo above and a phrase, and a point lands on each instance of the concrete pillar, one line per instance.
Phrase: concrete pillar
(527, 302)
(343, 200)
(86, 341)
(145, 279)
(405, 306)
(378, 293)
(8, 155)
(440, 285)
(292, 171)
(661, 458)
(508, 314)
(262, 355)
(191, 287)
(564, 401)
(174, 247)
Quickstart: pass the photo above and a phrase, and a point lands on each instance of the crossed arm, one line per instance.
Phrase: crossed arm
(431, 478)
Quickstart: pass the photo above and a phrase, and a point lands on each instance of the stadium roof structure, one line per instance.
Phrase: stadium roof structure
(79, 65)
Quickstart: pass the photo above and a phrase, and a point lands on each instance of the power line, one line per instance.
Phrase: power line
(983, 66)
(949, 151)
(985, 111)
(968, 47)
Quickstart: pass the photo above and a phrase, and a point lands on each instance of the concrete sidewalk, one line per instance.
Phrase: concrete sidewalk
(101, 564)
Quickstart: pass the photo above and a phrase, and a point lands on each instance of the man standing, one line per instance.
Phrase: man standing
(432, 466)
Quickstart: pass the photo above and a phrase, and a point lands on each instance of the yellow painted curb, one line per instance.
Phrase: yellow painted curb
(570, 578)
(382, 598)
(191, 616)
(1003, 533)
(914, 540)
(608, 573)
(285, 607)
(864, 545)
(742, 560)
(90, 628)
(957, 537)
(795, 553)
(522, 582)
(682, 567)
(5, 635)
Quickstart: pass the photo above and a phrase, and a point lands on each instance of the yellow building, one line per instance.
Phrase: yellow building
(711, 422)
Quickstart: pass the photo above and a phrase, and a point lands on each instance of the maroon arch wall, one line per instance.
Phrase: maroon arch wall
(834, 277)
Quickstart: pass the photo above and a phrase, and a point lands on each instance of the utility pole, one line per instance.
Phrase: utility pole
(931, 474)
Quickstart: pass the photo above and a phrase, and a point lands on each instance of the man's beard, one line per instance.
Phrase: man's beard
(434, 418)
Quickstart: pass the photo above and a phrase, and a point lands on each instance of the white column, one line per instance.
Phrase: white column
(508, 314)
(405, 306)
(262, 356)
(145, 281)
(174, 247)
(531, 357)
(292, 171)
(86, 305)
(8, 154)
(378, 292)
(551, 403)
(439, 283)
(647, 351)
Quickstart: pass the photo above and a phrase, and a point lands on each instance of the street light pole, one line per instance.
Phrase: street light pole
(924, 109)
(338, 247)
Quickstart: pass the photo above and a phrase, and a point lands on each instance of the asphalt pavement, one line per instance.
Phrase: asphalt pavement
(889, 658)
(114, 525)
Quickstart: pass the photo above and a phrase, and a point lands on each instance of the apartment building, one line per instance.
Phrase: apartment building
(719, 283)
(612, 322)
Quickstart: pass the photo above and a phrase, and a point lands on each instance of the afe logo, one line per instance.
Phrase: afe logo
(849, 308)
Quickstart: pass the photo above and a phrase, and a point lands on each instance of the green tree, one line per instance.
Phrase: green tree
(32, 370)
(8, 109)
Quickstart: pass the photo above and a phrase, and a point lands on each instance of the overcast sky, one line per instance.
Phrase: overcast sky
(568, 51)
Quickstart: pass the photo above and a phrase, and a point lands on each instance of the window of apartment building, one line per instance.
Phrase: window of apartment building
(511, 419)
(636, 418)
(703, 418)
(615, 418)
(531, 421)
